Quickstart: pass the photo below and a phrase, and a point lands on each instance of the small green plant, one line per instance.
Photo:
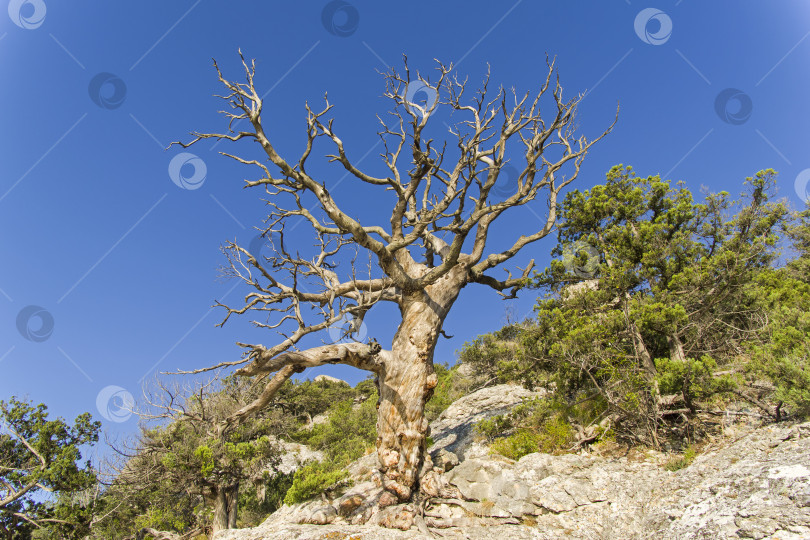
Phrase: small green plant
(555, 435)
(538, 425)
(694, 377)
(312, 479)
(349, 432)
(495, 427)
(516, 446)
(678, 463)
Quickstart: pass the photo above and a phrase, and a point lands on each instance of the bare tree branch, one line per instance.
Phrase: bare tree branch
(445, 201)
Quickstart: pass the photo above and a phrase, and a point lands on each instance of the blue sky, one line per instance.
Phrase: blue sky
(123, 261)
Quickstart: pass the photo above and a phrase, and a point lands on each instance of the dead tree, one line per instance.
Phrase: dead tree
(442, 204)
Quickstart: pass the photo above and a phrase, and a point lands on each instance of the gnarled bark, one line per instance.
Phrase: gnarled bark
(406, 382)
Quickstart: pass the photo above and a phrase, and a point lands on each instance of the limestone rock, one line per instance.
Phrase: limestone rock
(327, 378)
(362, 469)
(493, 482)
(453, 430)
(753, 485)
(758, 487)
(444, 459)
(321, 515)
(294, 455)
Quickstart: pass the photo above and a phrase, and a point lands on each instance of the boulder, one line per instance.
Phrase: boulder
(444, 459)
(454, 429)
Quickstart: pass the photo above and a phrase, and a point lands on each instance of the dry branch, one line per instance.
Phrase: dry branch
(444, 201)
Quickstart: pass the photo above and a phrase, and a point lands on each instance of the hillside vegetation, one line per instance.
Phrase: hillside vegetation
(664, 312)
(659, 315)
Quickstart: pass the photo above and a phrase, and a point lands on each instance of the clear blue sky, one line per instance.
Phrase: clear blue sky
(124, 262)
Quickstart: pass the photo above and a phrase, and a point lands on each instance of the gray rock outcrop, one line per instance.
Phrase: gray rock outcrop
(750, 485)
(756, 487)
(454, 430)
(295, 455)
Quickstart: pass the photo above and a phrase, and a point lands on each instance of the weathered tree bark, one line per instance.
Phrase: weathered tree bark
(642, 352)
(225, 507)
(676, 348)
(406, 383)
(232, 498)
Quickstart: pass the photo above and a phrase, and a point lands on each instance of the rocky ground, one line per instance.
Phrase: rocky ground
(754, 483)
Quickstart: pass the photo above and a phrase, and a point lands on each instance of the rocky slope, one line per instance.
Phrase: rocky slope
(753, 484)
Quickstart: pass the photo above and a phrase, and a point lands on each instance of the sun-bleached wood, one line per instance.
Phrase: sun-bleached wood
(443, 201)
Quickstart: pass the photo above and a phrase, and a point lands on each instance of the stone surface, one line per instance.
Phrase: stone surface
(362, 469)
(444, 459)
(454, 430)
(752, 484)
(295, 455)
(758, 487)
(367, 532)
(328, 378)
(494, 482)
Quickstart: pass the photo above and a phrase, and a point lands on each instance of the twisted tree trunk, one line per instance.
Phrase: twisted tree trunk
(225, 507)
(406, 382)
